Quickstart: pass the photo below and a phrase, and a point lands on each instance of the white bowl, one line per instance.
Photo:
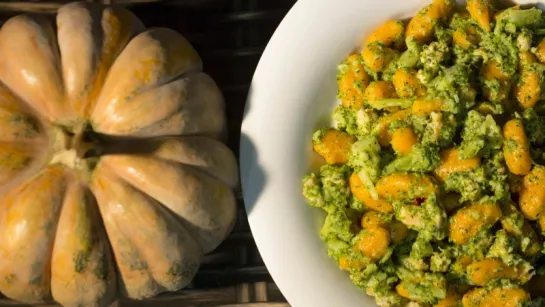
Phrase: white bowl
(292, 94)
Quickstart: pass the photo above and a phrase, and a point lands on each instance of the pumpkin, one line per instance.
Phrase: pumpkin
(114, 180)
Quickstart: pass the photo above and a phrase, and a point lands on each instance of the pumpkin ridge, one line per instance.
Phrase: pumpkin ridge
(191, 144)
(28, 262)
(108, 31)
(81, 254)
(204, 226)
(150, 258)
(193, 109)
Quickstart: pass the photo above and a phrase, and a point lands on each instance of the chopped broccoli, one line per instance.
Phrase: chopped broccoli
(338, 230)
(440, 130)
(421, 159)
(425, 287)
(391, 102)
(488, 180)
(534, 125)
(354, 122)
(450, 86)
(334, 185)
(481, 136)
(409, 58)
(429, 219)
(312, 191)
(431, 57)
(364, 157)
(421, 248)
(529, 18)
(503, 49)
(441, 261)
(504, 247)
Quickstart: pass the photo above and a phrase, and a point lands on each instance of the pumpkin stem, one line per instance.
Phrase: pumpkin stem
(75, 149)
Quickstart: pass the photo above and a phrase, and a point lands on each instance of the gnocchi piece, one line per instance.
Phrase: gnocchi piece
(532, 193)
(465, 38)
(423, 107)
(505, 297)
(454, 296)
(422, 25)
(334, 146)
(371, 219)
(377, 57)
(353, 82)
(389, 33)
(516, 148)
(407, 84)
(528, 89)
(450, 163)
(482, 272)
(378, 90)
(480, 12)
(398, 186)
(468, 221)
(403, 140)
(373, 242)
(347, 263)
(398, 231)
(362, 194)
(401, 289)
(384, 136)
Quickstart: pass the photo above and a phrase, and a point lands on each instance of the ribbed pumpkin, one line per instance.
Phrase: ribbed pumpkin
(113, 178)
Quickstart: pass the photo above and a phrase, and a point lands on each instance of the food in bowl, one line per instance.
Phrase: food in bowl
(434, 173)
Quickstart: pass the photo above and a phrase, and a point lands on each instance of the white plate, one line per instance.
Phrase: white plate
(293, 93)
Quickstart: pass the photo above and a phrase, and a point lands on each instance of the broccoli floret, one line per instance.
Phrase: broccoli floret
(382, 104)
(381, 283)
(503, 49)
(354, 122)
(534, 126)
(425, 287)
(339, 228)
(481, 136)
(334, 185)
(410, 57)
(429, 219)
(312, 191)
(443, 34)
(530, 18)
(440, 130)
(391, 299)
(421, 248)
(440, 261)
(488, 180)
(504, 247)
(450, 85)
(478, 246)
(364, 158)
(421, 159)
(524, 40)
(357, 205)
(431, 58)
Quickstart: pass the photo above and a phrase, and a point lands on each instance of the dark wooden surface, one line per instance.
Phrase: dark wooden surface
(230, 36)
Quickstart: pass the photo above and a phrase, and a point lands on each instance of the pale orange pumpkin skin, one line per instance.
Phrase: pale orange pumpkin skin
(113, 177)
